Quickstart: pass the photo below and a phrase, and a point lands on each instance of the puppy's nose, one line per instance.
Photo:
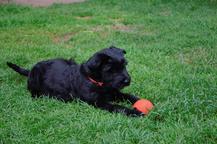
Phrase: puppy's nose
(126, 81)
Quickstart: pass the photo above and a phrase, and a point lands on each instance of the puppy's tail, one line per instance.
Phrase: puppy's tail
(18, 69)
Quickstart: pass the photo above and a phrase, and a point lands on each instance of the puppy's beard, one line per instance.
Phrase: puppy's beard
(118, 86)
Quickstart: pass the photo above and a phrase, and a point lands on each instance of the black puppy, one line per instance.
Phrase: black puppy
(97, 81)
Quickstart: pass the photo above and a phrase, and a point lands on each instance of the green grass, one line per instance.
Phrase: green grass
(172, 51)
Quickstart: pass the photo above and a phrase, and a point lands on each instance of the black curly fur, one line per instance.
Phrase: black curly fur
(65, 80)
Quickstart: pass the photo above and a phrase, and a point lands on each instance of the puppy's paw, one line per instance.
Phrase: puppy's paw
(136, 113)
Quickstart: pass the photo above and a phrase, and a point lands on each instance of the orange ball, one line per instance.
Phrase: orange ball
(143, 105)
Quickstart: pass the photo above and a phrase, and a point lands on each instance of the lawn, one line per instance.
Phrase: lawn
(172, 52)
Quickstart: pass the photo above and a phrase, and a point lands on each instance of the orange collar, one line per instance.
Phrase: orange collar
(95, 82)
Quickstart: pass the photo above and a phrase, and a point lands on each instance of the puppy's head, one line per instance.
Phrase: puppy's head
(109, 66)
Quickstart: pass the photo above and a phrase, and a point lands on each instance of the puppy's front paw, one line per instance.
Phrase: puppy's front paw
(136, 113)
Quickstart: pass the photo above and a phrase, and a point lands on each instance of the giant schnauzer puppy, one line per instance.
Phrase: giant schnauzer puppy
(97, 82)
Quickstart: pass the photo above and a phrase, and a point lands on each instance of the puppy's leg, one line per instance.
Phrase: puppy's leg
(119, 96)
(119, 109)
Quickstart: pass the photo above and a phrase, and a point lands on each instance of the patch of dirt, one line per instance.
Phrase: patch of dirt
(117, 20)
(96, 29)
(138, 29)
(40, 3)
(198, 56)
(63, 38)
(118, 27)
(4, 1)
(121, 28)
(83, 17)
(166, 13)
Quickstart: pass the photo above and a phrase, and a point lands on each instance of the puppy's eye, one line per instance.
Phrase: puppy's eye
(107, 67)
(110, 61)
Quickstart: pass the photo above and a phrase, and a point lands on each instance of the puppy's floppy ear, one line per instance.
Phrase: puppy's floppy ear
(118, 49)
(96, 60)
(93, 65)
